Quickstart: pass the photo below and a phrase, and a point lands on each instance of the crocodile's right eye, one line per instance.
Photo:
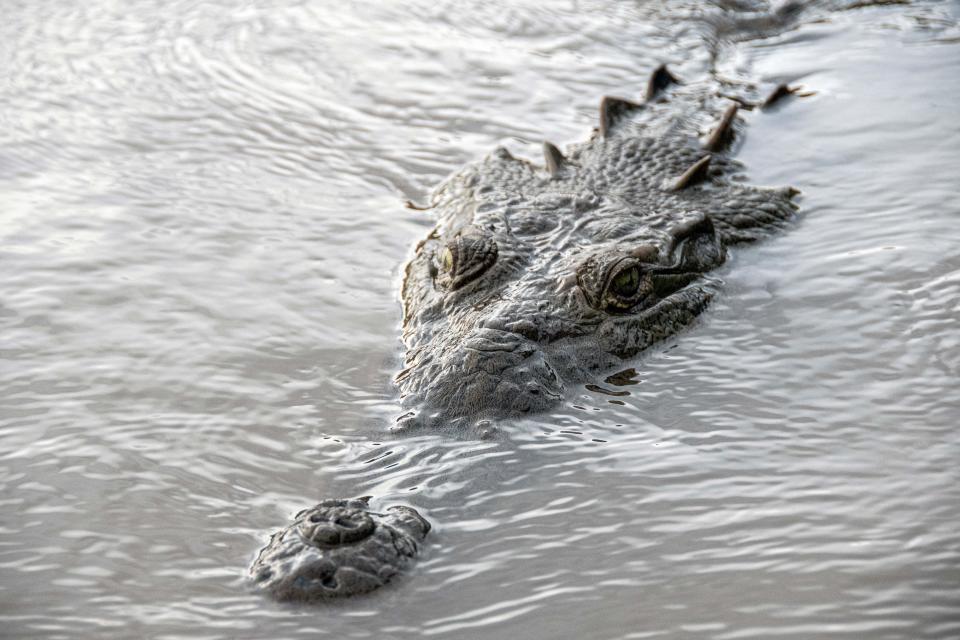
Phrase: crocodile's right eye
(464, 259)
(625, 283)
(614, 282)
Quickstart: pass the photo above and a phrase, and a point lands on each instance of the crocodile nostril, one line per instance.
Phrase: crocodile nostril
(325, 536)
(333, 526)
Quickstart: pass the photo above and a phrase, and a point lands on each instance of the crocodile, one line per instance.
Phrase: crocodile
(539, 277)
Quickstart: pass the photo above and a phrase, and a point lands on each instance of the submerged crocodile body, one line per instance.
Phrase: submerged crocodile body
(536, 278)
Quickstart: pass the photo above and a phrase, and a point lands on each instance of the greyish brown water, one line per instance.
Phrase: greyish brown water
(200, 241)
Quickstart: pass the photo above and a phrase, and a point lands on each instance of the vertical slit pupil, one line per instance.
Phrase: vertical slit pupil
(626, 282)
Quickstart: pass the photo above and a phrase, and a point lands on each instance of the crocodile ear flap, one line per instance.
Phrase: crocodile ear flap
(660, 79)
(611, 110)
(695, 174)
(721, 136)
(553, 159)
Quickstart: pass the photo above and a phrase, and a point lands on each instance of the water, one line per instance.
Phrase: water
(202, 233)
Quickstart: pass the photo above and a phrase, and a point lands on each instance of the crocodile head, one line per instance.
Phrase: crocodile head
(539, 277)
(536, 278)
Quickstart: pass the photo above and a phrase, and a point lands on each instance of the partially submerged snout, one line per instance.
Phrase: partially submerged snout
(338, 548)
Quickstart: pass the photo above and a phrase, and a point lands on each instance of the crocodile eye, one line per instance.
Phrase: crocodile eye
(614, 282)
(626, 286)
(625, 283)
(465, 258)
(446, 260)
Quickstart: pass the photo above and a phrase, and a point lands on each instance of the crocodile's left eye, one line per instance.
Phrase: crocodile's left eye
(464, 259)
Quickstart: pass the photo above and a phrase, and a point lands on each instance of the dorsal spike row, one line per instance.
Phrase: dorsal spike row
(660, 79)
(612, 109)
(553, 159)
(695, 174)
(721, 136)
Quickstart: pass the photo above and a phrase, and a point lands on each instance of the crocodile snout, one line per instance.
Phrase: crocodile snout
(332, 526)
(338, 548)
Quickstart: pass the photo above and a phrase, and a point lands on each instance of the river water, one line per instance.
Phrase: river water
(201, 233)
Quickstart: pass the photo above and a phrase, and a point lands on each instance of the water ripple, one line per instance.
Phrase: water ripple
(200, 246)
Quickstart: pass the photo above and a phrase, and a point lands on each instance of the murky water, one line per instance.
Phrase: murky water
(200, 239)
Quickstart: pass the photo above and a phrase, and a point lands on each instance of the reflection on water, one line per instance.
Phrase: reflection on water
(201, 238)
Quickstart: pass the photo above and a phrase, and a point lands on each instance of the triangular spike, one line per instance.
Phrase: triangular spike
(410, 204)
(721, 136)
(660, 79)
(611, 110)
(781, 92)
(553, 159)
(696, 173)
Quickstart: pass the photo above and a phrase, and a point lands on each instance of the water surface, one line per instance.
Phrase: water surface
(201, 235)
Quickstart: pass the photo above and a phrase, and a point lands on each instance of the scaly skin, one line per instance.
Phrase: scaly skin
(337, 548)
(536, 279)
(521, 313)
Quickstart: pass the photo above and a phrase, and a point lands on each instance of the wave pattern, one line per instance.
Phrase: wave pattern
(200, 240)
